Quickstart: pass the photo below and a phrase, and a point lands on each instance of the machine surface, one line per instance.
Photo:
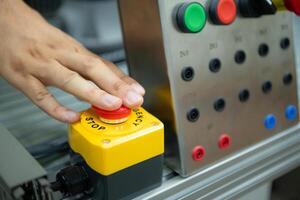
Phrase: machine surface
(218, 88)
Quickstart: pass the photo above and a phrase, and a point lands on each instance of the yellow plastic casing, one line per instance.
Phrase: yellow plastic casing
(109, 148)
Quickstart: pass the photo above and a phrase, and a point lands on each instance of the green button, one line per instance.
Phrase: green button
(194, 17)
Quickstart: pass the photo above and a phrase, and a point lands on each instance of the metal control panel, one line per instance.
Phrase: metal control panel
(221, 80)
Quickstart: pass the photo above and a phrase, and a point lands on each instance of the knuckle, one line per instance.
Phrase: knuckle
(92, 92)
(34, 48)
(30, 43)
(118, 85)
(75, 49)
(42, 95)
(90, 64)
(43, 75)
(52, 46)
(56, 110)
(68, 78)
(43, 71)
(90, 61)
(18, 65)
(35, 53)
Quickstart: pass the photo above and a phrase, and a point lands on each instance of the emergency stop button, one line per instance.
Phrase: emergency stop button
(223, 12)
(113, 117)
(191, 17)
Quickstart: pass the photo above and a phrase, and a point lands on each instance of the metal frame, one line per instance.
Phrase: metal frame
(238, 174)
(19, 170)
(241, 173)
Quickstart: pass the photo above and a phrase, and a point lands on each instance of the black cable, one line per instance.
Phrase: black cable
(71, 181)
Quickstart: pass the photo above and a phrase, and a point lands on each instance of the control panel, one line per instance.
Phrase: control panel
(220, 74)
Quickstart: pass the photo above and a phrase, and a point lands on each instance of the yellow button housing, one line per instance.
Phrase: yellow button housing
(279, 4)
(109, 148)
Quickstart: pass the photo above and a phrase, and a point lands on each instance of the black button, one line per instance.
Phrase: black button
(267, 86)
(288, 79)
(285, 43)
(187, 73)
(244, 95)
(263, 50)
(215, 65)
(193, 115)
(219, 105)
(240, 57)
(256, 8)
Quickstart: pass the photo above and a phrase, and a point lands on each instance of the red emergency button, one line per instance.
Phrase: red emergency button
(293, 5)
(113, 117)
(223, 11)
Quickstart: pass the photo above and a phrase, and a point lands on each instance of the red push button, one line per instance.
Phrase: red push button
(113, 117)
(223, 11)
(293, 5)
(224, 141)
(198, 153)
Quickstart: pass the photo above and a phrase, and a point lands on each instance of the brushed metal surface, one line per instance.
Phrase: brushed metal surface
(236, 175)
(157, 52)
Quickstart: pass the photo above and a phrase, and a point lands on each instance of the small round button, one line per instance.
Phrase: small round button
(219, 105)
(193, 115)
(270, 121)
(291, 112)
(267, 87)
(244, 95)
(224, 141)
(285, 43)
(287, 79)
(113, 117)
(263, 50)
(223, 11)
(187, 73)
(240, 57)
(198, 153)
(215, 65)
(191, 17)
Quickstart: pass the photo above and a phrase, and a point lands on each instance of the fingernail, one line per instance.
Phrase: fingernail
(133, 98)
(110, 100)
(71, 116)
(139, 89)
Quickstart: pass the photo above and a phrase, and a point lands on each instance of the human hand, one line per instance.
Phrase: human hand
(34, 54)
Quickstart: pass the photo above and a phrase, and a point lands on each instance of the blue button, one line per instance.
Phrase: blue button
(270, 121)
(291, 113)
